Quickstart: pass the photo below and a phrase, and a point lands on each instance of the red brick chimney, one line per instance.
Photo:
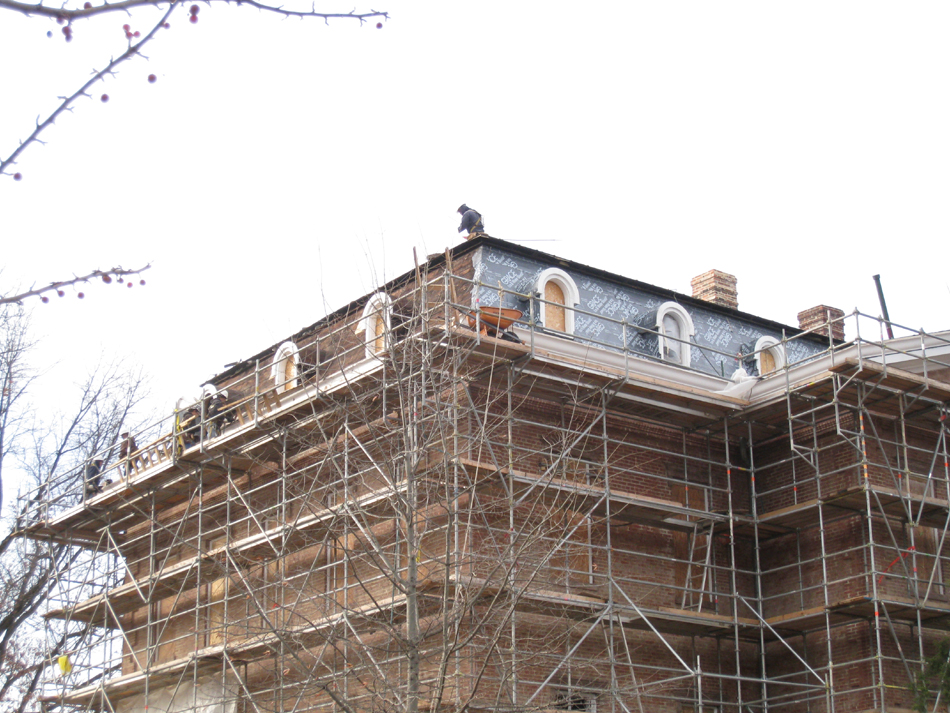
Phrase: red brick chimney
(717, 287)
(817, 318)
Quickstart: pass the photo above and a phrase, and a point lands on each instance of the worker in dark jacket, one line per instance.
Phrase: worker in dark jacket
(471, 220)
(93, 475)
(188, 425)
(218, 414)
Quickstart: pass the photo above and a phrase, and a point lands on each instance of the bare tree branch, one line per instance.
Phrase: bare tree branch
(135, 48)
(107, 276)
(126, 5)
(67, 102)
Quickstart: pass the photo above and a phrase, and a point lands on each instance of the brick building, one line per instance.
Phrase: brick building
(506, 481)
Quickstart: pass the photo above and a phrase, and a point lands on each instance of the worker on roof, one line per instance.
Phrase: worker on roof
(471, 220)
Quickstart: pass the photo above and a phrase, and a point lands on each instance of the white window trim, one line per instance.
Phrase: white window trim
(677, 312)
(287, 350)
(379, 305)
(572, 295)
(773, 347)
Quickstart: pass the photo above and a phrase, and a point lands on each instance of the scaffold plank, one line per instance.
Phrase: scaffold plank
(926, 510)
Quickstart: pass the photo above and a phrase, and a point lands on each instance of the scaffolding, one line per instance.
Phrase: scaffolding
(408, 508)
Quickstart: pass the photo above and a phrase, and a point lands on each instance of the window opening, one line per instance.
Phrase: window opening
(675, 330)
(555, 312)
(576, 702)
(770, 355)
(380, 342)
(284, 367)
(375, 323)
(559, 295)
(671, 329)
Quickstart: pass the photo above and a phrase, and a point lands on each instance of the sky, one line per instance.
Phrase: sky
(278, 169)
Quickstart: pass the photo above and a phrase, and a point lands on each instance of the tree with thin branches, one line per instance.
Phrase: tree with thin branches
(41, 452)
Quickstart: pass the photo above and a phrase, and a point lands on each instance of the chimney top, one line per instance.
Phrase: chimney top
(717, 287)
(820, 318)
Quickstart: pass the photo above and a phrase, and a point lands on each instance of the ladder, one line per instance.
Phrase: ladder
(698, 567)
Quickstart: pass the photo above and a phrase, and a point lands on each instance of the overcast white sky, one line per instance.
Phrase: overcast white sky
(280, 168)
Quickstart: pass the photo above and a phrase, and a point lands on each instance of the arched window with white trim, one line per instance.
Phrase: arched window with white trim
(560, 296)
(284, 367)
(769, 355)
(675, 329)
(375, 324)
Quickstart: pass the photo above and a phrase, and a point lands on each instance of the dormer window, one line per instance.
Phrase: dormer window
(675, 329)
(769, 355)
(284, 367)
(376, 323)
(560, 296)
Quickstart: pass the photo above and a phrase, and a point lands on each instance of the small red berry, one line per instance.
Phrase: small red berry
(17, 176)
(60, 19)
(106, 279)
(60, 293)
(119, 280)
(80, 295)
(126, 27)
(379, 25)
(104, 98)
(194, 9)
(152, 79)
(165, 25)
(193, 19)
(129, 283)
(49, 33)
(45, 299)
(87, 6)
(141, 282)
(128, 35)
(136, 33)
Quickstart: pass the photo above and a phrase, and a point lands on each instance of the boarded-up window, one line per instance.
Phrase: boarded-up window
(284, 368)
(375, 324)
(554, 313)
(559, 295)
(290, 370)
(380, 330)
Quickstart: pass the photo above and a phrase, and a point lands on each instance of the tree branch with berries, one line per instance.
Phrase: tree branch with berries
(66, 16)
(118, 275)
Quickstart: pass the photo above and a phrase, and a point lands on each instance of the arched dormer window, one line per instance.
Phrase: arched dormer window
(376, 323)
(675, 328)
(284, 367)
(769, 355)
(560, 295)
